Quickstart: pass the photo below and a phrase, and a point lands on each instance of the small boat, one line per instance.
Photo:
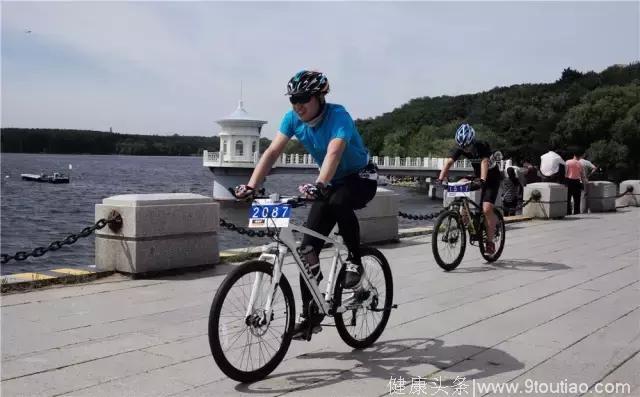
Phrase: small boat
(55, 178)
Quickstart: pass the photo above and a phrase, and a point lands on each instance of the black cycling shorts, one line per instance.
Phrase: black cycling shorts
(490, 191)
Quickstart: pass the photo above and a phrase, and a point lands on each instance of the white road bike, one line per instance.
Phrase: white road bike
(252, 316)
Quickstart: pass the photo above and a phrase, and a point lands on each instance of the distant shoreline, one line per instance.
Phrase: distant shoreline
(61, 141)
(104, 154)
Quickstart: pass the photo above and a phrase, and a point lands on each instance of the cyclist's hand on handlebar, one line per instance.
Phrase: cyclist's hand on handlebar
(477, 184)
(310, 191)
(244, 191)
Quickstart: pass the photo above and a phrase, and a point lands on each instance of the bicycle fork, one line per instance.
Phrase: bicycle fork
(275, 255)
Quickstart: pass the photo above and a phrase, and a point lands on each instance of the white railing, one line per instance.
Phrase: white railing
(212, 159)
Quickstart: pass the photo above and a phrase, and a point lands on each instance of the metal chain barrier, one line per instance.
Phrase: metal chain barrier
(524, 204)
(114, 221)
(420, 217)
(246, 231)
(436, 214)
(628, 191)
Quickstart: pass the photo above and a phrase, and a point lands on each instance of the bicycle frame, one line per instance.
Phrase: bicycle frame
(462, 203)
(286, 243)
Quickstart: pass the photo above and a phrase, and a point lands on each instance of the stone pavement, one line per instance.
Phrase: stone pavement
(561, 307)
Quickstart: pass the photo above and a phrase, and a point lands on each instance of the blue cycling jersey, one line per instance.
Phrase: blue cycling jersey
(336, 123)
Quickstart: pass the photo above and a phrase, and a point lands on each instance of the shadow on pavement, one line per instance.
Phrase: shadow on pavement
(514, 264)
(393, 359)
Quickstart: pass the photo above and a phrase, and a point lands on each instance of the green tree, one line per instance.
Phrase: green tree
(395, 143)
(612, 156)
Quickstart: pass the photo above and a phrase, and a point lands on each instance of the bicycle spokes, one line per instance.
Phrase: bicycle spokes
(365, 314)
(249, 338)
(449, 243)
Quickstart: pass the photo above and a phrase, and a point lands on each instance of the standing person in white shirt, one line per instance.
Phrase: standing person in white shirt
(552, 167)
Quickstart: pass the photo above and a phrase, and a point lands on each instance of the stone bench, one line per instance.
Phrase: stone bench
(552, 202)
(159, 232)
(632, 198)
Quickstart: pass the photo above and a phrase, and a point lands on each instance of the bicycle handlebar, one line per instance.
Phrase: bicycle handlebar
(294, 201)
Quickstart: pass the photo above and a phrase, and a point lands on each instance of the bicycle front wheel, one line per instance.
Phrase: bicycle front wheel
(448, 240)
(498, 237)
(245, 345)
(368, 308)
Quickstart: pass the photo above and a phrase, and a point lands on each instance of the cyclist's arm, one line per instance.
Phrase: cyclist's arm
(484, 168)
(445, 170)
(331, 160)
(269, 157)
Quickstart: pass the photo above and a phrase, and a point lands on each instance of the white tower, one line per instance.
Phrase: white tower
(240, 136)
(239, 151)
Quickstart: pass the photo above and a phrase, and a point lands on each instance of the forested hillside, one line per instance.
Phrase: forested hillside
(599, 112)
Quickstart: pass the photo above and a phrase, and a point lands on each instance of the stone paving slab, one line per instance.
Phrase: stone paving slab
(562, 303)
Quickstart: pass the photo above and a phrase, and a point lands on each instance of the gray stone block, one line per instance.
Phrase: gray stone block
(601, 189)
(148, 215)
(601, 196)
(379, 229)
(379, 219)
(159, 232)
(551, 192)
(385, 203)
(632, 198)
(157, 254)
(552, 203)
(545, 210)
(602, 205)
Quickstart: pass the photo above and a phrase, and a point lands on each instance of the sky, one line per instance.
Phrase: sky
(177, 67)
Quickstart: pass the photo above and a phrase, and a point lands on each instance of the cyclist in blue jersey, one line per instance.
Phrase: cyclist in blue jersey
(347, 180)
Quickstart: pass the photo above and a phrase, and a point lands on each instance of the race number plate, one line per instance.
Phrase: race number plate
(458, 190)
(269, 215)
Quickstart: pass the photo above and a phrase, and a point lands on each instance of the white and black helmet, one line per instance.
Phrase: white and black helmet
(308, 82)
(465, 135)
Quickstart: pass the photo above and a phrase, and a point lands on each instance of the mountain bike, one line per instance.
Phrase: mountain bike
(251, 320)
(449, 238)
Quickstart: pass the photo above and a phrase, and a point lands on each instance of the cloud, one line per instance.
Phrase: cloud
(176, 67)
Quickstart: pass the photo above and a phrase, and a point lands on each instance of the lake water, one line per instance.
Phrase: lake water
(36, 214)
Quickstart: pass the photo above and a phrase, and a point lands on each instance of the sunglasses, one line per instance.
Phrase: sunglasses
(300, 98)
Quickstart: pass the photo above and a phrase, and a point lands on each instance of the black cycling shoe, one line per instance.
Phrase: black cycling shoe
(352, 275)
(305, 328)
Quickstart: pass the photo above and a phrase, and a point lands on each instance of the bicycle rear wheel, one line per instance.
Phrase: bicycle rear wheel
(448, 240)
(498, 237)
(369, 308)
(245, 348)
